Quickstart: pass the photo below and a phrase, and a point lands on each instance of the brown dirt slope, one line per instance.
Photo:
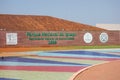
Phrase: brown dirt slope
(40, 23)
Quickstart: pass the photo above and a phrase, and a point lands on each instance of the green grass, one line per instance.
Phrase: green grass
(94, 47)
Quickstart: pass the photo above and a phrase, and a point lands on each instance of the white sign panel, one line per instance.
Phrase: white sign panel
(11, 38)
(103, 37)
(88, 37)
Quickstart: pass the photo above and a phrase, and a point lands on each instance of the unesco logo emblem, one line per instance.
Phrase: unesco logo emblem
(88, 37)
(103, 37)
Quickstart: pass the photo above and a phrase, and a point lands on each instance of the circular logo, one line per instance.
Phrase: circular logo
(103, 37)
(88, 37)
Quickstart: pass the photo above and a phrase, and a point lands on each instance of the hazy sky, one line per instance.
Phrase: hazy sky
(83, 11)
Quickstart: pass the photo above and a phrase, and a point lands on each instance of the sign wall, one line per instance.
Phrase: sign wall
(58, 38)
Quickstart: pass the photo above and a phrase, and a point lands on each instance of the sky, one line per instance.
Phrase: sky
(89, 12)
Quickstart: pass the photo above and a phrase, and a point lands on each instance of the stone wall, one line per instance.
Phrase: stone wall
(58, 38)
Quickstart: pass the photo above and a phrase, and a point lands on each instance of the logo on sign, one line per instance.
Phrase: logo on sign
(103, 37)
(11, 38)
(88, 37)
